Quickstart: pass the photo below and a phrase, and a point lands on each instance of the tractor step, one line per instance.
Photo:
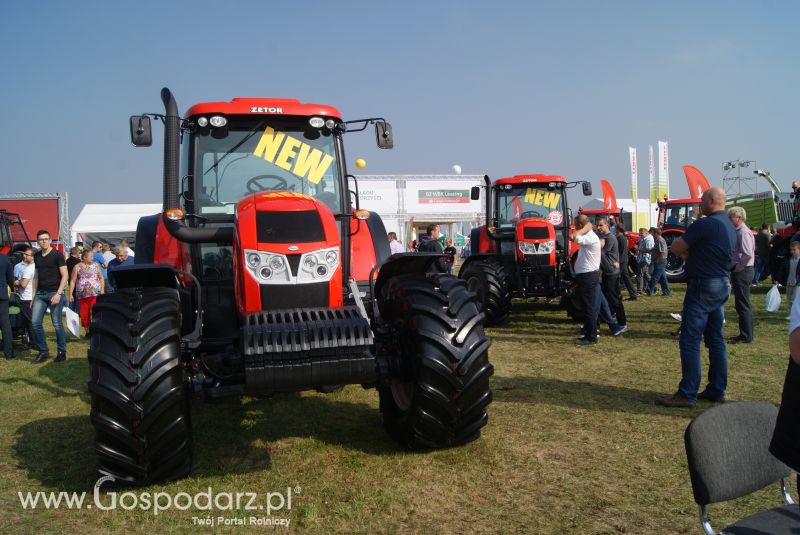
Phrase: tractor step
(307, 348)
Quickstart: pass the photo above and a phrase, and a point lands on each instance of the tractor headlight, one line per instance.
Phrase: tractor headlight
(322, 271)
(331, 257)
(547, 247)
(202, 122)
(317, 122)
(218, 121)
(253, 259)
(310, 261)
(265, 272)
(527, 247)
(276, 263)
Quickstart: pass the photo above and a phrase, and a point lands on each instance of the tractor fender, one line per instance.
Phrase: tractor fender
(146, 275)
(146, 239)
(369, 245)
(403, 263)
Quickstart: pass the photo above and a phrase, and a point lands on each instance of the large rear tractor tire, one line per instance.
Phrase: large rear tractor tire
(437, 358)
(676, 267)
(489, 280)
(140, 408)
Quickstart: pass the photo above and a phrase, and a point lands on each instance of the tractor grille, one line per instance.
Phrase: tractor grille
(289, 227)
(536, 261)
(535, 233)
(282, 296)
(303, 348)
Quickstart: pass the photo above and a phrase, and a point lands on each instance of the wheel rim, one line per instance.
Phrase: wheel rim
(402, 394)
(674, 265)
(474, 285)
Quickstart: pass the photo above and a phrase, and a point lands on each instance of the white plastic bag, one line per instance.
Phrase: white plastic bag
(73, 322)
(773, 300)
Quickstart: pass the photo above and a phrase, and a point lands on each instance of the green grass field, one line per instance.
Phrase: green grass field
(574, 442)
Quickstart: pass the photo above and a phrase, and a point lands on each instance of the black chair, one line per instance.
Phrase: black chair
(727, 448)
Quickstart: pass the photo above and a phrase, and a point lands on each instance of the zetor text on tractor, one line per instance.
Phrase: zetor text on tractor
(262, 275)
(524, 249)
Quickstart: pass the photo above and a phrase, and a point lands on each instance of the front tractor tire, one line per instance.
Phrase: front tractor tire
(140, 408)
(489, 280)
(432, 343)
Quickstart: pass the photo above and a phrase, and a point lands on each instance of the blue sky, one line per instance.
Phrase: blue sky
(499, 88)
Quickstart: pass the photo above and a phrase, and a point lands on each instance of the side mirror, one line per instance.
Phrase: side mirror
(383, 134)
(475, 193)
(587, 188)
(141, 133)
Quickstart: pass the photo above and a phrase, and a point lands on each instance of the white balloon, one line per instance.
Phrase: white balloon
(457, 169)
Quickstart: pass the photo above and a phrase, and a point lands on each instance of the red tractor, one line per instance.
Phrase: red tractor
(614, 214)
(13, 237)
(524, 249)
(261, 276)
(675, 215)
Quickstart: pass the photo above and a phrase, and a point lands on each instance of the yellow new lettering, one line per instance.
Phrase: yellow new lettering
(311, 162)
(529, 196)
(269, 143)
(538, 200)
(551, 200)
(287, 151)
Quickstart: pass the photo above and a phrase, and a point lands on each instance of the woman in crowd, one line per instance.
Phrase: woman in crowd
(86, 283)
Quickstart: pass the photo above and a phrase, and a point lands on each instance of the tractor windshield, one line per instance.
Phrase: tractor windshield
(515, 202)
(268, 155)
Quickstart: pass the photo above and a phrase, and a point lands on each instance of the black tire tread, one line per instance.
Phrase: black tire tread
(140, 410)
(449, 352)
(496, 299)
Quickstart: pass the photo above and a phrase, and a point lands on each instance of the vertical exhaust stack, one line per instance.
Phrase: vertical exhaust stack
(172, 126)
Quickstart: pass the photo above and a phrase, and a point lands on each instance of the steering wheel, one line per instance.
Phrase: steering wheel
(530, 213)
(256, 183)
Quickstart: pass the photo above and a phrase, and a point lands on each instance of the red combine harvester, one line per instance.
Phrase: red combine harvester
(524, 249)
(675, 215)
(260, 276)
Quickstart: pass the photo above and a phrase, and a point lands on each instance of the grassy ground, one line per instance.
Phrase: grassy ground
(574, 443)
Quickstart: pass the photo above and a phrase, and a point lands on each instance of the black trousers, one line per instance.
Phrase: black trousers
(610, 287)
(5, 327)
(26, 312)
(625, 278)
(587, 293)
(741, 281)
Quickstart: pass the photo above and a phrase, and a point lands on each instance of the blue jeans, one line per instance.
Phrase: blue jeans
(40, 303)
(761, 263)
(702, 319)
(658, 276)
(601, 309)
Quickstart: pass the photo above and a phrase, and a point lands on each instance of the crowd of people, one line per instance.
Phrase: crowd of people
(44, 280)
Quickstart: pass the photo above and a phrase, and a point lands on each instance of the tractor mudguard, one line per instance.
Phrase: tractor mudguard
(146, 239)
(369, 245)
(145, 276)
(402, 263)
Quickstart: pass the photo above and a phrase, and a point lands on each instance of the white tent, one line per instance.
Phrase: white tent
(109, 222)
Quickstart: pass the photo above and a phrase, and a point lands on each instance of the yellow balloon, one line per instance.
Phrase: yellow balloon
(360, 163)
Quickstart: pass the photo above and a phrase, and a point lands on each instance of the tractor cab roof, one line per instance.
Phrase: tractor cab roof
(530, 179)
(263, 106)
(670, 202)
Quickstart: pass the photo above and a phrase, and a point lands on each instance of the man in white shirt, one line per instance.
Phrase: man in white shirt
(23, 284)
(587, 276)
(394, 245)
(123, 244)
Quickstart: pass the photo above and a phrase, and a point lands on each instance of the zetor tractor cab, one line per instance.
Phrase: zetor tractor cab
(261, 276)
(13, 238)
(524, 249)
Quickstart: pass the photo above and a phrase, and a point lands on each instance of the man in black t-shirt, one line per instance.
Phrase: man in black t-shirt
(73, 260)
(51, 279)
(450, 251)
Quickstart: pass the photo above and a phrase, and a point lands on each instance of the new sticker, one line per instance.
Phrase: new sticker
(293, 155)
